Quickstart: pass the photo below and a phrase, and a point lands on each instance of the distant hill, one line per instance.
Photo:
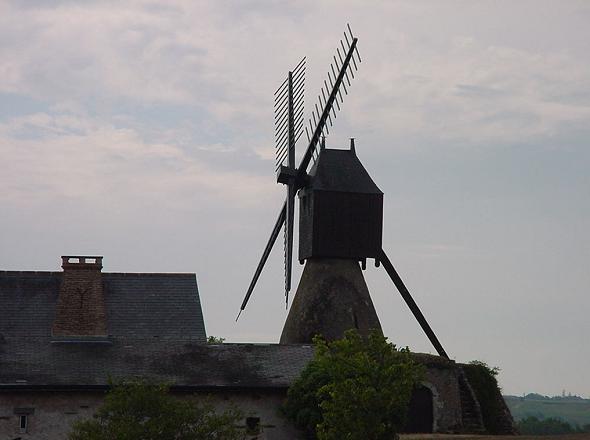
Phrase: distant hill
(572, 409)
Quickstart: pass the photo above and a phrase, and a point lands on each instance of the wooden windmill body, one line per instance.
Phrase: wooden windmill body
(341, 209)
(340, 224)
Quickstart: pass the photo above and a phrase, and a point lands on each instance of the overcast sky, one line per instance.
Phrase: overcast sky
(143, 131)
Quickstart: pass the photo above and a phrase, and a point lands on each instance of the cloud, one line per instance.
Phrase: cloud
(223, 60)
(474, 94)
(66, 155)
(178, 53)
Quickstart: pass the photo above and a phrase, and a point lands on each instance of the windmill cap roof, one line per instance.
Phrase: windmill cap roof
(341, 171)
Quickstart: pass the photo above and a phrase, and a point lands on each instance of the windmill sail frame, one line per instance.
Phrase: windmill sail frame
(288, 128)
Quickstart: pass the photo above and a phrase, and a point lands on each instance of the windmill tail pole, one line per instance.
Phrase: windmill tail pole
(271, 241)
(403, 290)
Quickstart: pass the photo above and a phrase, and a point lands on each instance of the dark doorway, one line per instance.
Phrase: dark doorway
(420, 417)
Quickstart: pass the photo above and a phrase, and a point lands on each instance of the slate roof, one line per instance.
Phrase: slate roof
(36, 363)
(156, 330)
(137, 304)
(342, 171)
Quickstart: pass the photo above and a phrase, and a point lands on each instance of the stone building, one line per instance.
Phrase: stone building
(65, 335)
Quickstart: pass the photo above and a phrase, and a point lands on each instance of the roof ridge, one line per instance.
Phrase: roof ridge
(150, 273)
(52, 272)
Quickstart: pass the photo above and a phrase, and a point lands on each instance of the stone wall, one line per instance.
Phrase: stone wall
(50, 414)
(442, 381)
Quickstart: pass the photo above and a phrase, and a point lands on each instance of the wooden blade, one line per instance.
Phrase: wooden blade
(271, 241)
(327, 108)
(289, 105)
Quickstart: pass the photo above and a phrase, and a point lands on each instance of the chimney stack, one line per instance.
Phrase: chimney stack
(80, 307)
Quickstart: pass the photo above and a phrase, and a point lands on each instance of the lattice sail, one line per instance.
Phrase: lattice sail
(340, 74)
(288, 107)
(289, 126)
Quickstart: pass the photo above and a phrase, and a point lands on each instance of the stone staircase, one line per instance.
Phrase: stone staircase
(470, 409)
(506, 425)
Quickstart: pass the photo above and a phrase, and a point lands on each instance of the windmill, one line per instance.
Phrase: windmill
(341, 213)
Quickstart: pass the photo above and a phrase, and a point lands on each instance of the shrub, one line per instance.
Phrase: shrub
(215, 340)
(355, 388)
(142, 411)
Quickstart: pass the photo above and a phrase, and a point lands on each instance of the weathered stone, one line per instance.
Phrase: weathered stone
(55, 411)
(332, 297)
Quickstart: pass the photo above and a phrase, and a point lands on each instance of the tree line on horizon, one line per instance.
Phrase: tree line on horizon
(550, 426)
(536, 396)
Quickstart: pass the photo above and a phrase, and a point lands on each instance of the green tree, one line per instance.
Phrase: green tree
(355, 388)
(142, 411)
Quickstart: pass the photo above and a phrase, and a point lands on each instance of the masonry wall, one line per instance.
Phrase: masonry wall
(446, 400)
(80, 307)
(54, 412)
(51, 413)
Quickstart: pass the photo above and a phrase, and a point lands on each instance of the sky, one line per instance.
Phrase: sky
(143, 131)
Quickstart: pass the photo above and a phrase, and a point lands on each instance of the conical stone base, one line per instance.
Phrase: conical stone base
(332, 297)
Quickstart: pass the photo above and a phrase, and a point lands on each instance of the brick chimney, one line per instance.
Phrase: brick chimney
(80, 306)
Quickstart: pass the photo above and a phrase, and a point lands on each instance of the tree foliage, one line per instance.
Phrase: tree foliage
(142, 411)
(550, 426)
(355, 388)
